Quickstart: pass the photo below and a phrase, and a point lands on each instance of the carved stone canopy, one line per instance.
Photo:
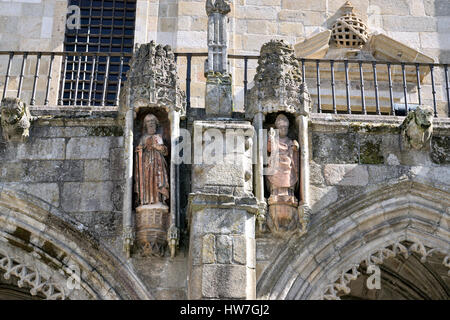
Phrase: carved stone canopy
(278, 82)
(217, 6)
(349, 31)
(153, 80)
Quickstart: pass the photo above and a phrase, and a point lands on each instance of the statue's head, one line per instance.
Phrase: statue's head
(150, 124)
(282, 124)
(424, 116)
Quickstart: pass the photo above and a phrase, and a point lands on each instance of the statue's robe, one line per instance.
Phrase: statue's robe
(152, 182)
(284, 168)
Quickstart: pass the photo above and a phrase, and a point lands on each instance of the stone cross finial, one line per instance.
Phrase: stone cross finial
(217, 35)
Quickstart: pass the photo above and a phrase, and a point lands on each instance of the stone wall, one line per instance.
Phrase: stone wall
(74, 163)
(353, 157)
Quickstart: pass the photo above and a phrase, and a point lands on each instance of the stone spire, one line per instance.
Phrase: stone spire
(217, 35)
(218, 99)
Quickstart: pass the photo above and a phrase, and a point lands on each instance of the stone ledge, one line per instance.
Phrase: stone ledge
(199, 201)
(368, 123)
(74, 111)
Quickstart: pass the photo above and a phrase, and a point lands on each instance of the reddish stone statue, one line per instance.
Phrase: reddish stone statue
(283, 172)
(152, 189)
(152, 180)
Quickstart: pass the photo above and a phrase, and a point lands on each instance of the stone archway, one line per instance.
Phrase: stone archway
(407, 271)
(51, 256)
(373, 226)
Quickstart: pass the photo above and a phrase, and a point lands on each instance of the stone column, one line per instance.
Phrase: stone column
(173, 234)
(222, 208)
(259, 170)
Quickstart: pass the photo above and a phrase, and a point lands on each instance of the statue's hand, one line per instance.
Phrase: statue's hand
(295, 145)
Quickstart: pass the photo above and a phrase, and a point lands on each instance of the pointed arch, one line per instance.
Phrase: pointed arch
(45, 249)
(350, 232)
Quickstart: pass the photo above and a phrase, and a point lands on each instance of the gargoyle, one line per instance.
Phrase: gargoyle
(15, 120)
(417, 127)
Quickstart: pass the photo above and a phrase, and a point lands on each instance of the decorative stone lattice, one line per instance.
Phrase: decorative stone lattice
(278, 81)
(30, 276)
(349, 31)
(153, 80)
(341, 286)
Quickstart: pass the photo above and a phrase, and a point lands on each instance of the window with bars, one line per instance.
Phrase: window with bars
(102, 48)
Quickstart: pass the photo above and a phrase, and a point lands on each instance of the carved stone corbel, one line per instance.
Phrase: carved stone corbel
(417, 128)
(15, 120)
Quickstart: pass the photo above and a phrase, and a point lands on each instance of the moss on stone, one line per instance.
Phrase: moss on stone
(371, 153)
(374, 127)
(440, 150)
(102, 131)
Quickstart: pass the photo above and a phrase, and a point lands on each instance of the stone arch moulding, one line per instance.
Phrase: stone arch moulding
(355, 230)
(45, 249)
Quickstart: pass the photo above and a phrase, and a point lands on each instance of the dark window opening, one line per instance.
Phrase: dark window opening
(107, 26)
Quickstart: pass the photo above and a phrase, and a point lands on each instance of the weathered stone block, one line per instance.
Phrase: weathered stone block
(53, 171)
(346, 175)
(208, 249)
(224, 281)
(224, 248)
(239, 249)
(335, 148)
(322, 197)
(97, 170)
(440, 149)
(49, 192)
(42, 149)
(219, 221)
(89, 148)
(88, 196)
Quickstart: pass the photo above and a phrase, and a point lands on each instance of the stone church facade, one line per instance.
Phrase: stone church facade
(213, 149)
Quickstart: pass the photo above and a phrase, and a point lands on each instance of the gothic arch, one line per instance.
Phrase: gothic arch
(44, 249)
(352, 231)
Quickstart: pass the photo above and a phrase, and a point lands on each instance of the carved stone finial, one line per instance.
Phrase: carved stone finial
(153, 79)
(349, 31)
(278, 82)
(15, 120)
(219, 6)
(417, 127)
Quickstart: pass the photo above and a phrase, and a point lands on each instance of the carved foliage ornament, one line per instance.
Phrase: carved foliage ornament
(278, 80)
(218, 6)
(153, 77)
(341, 286)
(30, 276)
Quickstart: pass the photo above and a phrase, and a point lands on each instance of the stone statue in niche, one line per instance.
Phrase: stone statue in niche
(283, 172)
(153, 182)
(152, 189)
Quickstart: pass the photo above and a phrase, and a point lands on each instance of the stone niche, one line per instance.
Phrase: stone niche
(280, 99)
(152, 105)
